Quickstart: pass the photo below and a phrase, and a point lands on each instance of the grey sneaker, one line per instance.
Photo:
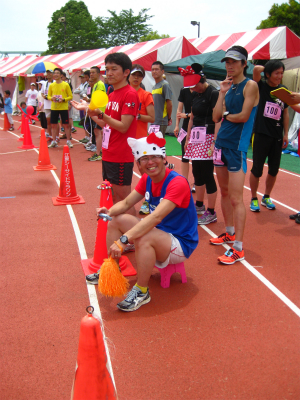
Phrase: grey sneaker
(92, 278)
(134, 300)
(171, 166)
(207, 218)
(69, 144)
(200, 210)
(129, 247)
(53, 144)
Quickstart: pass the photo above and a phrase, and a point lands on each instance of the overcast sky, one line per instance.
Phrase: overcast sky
(23, 25)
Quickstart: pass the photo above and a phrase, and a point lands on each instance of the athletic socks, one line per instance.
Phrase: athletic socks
(199, 203)
(211, 210)
(230, 230)
(238, 246)
(266, 196)
(254, 198)
(143, 289)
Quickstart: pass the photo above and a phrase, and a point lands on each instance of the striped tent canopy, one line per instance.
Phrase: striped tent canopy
(264, 44)
(145, 53)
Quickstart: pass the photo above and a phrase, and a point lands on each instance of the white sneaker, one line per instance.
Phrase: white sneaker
(69, 144)
(53, 144)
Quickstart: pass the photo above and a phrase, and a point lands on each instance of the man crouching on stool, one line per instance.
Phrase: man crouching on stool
(168, 235)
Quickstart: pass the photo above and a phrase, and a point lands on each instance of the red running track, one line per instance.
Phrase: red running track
(222, 335)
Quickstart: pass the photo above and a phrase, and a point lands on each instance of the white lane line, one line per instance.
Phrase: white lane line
(265, 281)
(90, 288)
(252, 269)
(261, 194)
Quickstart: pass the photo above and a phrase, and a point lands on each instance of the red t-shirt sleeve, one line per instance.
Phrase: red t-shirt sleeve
(179, 192)
(141, 186)
(131, 104)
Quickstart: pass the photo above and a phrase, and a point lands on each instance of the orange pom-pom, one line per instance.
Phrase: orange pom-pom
(111, 281)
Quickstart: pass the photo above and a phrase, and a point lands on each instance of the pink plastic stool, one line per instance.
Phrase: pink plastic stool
(168, 271)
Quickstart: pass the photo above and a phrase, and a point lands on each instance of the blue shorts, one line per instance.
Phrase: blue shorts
(234, 160)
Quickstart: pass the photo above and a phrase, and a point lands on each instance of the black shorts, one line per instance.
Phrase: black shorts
(64, 116)
(117, 173)
(265, 146)
(43, 120)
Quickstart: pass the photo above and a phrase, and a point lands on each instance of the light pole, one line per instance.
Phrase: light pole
(196, 23)
(63, 21)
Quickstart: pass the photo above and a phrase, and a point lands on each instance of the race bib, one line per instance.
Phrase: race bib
(46, 92)
(154, 128)
(272, 110)
(217, 156)
(57, 97)
(88, 90)
(182, 135)
(105, 137)
(33, 96)
(198, 135)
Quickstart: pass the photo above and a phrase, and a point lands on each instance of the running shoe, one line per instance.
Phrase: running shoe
(129, 247)
(295, 216)
(232, 256)
(145, 208)
(33, 122)
(63, 136)
(171, 166)
(297, 220)
(95, 157)
(62, 129)
(92, 279)
(193, 189)
(73, 130)
(254, 206)
(200, 210)
(223, 238)
(93, 149)
(84, 140)
(268, 203)
(47, 135)
(207, 218)
(134, 300)
(53, 144)
(69, 144)
(11, 129)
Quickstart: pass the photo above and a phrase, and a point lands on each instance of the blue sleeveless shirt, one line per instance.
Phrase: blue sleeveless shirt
(181, 222)
(236, 136)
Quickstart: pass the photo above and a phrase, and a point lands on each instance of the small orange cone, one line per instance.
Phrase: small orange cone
(22, 127)
(126, 267)
(67, 190)
(27, 141)
(44, 159)
(92, 379)
(92, 265)
(6, 123)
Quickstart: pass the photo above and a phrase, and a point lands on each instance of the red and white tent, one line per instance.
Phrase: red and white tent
(264, 44)
(145, 53)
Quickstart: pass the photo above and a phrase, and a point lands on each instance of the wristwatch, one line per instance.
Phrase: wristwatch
(139, 116)
(100, 116)
(124, 239)
(187, 115)
(225, 114)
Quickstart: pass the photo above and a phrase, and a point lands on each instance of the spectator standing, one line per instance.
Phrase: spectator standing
(47, 103)
(8, 109)
(31, 98)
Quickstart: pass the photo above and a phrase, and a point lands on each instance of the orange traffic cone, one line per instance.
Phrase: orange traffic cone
(6, 123)
(67, 190)
(126, 267)
(44, 159)
(92, 265)
(92, 379)
(22, 127)
(27, 141)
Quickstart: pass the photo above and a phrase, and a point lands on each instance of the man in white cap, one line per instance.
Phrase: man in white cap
(168, 235)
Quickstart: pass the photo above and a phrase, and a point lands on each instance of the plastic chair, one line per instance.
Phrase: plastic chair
(168, 271)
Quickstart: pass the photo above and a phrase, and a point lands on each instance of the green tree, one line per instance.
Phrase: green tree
(153, 35)
(124, 28)
(78, 32)
(286, 14)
